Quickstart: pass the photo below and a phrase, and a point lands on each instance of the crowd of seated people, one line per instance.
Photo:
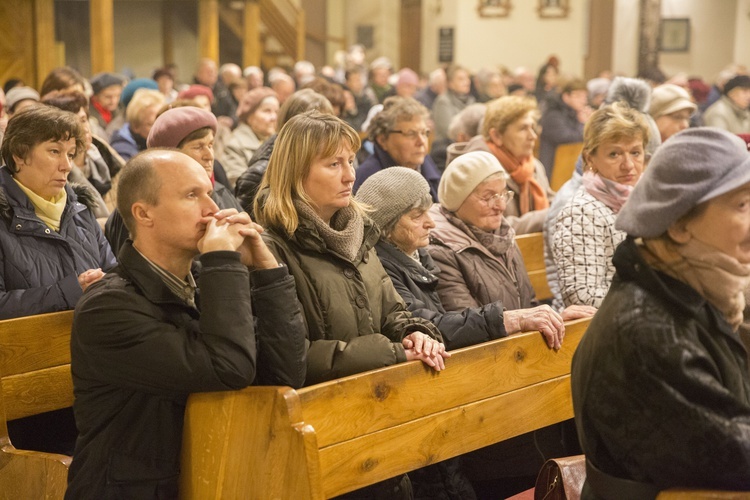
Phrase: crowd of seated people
(335, 266)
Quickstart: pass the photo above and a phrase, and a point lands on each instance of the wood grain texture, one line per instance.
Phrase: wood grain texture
(32, 475)
(564, 164)
(532, 250)
(35, 342)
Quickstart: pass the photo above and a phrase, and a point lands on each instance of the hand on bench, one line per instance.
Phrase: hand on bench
(419, 346)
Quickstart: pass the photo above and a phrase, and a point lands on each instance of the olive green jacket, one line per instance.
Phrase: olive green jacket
(355, 318)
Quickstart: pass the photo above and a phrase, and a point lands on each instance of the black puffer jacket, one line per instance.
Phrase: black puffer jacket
(248, 182)
(416, 282)
(560, 125)
(660, 383)
(39, 267)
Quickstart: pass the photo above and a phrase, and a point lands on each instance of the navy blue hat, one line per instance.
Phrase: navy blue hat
(101, 81)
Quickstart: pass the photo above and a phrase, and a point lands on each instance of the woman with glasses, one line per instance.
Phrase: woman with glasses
(509, 133)
(401, 138)
(480, 268)
(585, 237)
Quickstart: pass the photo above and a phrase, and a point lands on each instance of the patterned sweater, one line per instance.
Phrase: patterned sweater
(584, 241)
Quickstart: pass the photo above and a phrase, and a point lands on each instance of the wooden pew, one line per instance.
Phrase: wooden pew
(35, 378)
(564, 164)
(532, 251)
(335, 437)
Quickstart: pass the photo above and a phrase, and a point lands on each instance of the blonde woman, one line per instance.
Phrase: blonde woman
(140, 115)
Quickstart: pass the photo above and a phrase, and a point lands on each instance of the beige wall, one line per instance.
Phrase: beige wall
(720, 35)
(384, 15)
(522, 39)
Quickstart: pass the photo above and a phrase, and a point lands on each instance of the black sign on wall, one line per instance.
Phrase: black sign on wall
(366, 35)
(445, 45)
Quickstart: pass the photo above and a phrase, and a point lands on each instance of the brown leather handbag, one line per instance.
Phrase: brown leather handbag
(561, 479)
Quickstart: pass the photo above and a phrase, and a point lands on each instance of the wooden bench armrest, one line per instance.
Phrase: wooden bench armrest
(32, 474)
(685, 494)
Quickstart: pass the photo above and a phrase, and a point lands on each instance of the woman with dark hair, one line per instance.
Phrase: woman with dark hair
(50, 243)
(660, 381)
(64, 79)
(452, 101)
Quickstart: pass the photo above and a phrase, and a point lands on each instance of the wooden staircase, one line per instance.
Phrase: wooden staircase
(272, 31)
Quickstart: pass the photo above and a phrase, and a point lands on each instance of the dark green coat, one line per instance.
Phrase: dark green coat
(355, 318)
(660, 383)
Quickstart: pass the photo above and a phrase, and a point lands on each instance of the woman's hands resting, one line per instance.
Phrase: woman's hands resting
(419, 346)
(549, 322)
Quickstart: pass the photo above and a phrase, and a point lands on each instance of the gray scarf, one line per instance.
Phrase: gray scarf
(345, 233)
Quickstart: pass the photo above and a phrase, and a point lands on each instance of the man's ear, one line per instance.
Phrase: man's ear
(679, 232)
(496, 137)
(142, 214)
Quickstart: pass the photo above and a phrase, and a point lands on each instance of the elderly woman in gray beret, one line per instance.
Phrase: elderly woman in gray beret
(661, 388)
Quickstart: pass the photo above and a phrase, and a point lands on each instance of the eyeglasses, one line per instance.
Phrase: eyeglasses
(496, 198)
(412, 134)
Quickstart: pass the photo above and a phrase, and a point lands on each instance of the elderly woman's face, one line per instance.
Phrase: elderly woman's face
(407, 142)
(460, 83)
(724, 224)
(519, 137)
(45, 169)
(485, 205)
(263, 119)
(412, 231)
(202, 151)
(147, 117)
(619, 161)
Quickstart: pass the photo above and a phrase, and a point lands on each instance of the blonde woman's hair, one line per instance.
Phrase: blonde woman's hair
(142, 99)
(611, 123)
(503, 111)
(302, 140)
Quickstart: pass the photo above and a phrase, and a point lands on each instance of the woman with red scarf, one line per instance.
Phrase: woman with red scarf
(585, 237)
(509, 133)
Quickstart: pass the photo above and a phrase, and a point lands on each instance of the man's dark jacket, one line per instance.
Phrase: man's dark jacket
(138, 351)
(380, 160)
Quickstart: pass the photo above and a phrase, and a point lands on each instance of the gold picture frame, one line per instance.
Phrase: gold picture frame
(553, 8)
(494, 8)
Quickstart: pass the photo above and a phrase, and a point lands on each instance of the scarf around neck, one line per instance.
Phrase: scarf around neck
(717, 277)
(532, 195)
(344, 235)
(498, 242)
(611, 193)
(49, 211)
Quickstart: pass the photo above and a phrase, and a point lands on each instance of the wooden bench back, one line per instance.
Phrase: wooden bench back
(335, 437)
(564, 164)
(34, 378)
(532, 251)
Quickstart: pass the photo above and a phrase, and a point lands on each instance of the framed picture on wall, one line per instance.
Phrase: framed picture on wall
(674, 35)
(494, 8)
(553, 8)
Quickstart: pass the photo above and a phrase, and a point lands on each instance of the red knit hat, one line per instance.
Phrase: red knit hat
(194, 91)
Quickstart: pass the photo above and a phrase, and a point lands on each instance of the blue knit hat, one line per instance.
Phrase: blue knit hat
(692, 167)
(139, 83)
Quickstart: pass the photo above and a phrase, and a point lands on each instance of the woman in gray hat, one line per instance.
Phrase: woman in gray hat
(399, 201)
(660, 381)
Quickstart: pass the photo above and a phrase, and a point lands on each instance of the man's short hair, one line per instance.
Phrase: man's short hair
(139, 181)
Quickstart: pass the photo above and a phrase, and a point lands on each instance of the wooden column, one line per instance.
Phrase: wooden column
(208, 29)
(251, 47)
(102, 36)
(648, 44)
(167, 32)
(44, 39)
(301, 34)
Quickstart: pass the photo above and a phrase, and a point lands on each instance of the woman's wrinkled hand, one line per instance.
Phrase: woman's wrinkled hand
(577, 312)
(542, 318)
(419, 346)
(89, 277)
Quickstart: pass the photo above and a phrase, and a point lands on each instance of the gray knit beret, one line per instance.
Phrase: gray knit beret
(463, 175)
(391, 193)
(693, 166)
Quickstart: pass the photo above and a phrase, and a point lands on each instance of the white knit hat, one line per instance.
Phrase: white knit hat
(464, 174)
